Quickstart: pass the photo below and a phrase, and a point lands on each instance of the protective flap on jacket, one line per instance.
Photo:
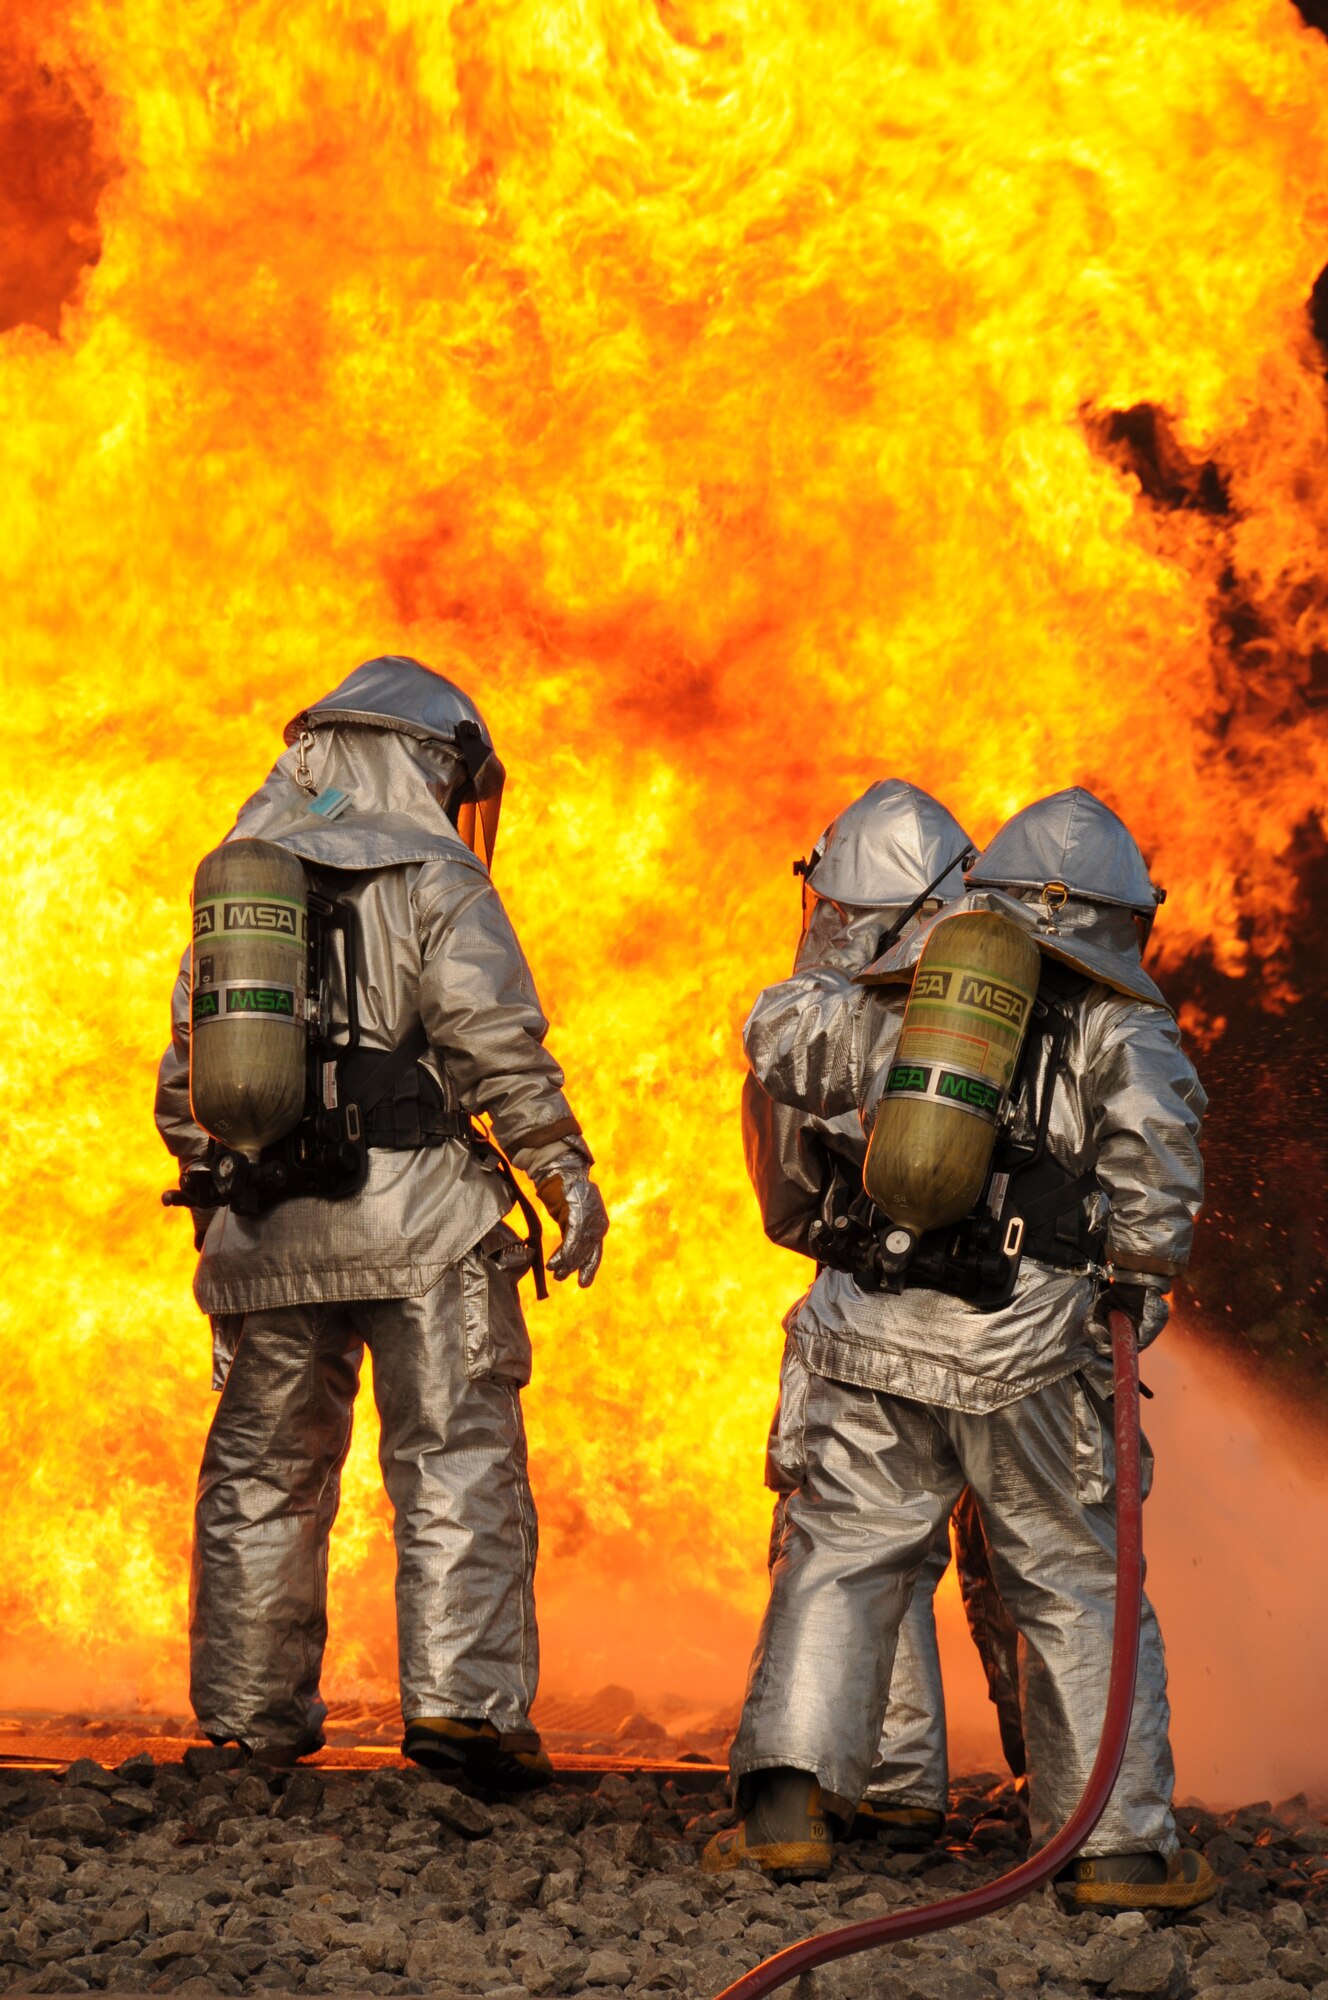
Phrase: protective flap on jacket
(1097, 941)
(383, 840)
(392, 817)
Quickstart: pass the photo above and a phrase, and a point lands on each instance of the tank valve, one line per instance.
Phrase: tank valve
(897, 1246)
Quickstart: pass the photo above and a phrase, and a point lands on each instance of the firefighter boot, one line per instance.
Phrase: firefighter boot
(1137, 1882)
(784, 1832)
(467, 1747)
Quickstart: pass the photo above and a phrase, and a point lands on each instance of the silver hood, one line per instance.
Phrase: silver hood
(1096, 940)
(890, 849)
(887, 847)
(1072, 840)
(397, 694)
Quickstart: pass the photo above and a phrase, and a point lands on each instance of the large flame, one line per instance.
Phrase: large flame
(744, 401)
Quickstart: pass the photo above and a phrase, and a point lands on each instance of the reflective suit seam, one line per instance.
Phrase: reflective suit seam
(446, 904)
(530, 1550)
(322, 1527)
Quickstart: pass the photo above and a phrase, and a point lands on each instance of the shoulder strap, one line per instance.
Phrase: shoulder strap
(1056, 1200)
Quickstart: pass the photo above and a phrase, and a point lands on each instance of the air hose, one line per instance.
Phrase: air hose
(1039, 1868)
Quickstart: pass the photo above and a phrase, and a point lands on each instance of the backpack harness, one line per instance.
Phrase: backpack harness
(356, 1100)
(1029, 1207)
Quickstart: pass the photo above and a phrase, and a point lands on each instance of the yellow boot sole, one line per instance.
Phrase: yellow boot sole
(782, 1860)
(1190, 1881)
(483, 1757)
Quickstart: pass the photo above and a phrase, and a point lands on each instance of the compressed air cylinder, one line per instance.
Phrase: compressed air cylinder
(249, 970)
(964, 1027)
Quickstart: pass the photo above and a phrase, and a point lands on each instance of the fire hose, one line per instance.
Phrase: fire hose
(796, 1959)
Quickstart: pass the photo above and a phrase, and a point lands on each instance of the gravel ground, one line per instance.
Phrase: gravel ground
(204, 1878)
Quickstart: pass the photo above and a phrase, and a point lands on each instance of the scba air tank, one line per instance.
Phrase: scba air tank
(964, 1027)
(249, 972)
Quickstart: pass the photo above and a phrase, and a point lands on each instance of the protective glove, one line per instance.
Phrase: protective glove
(577, 1206)
(1143, 1305)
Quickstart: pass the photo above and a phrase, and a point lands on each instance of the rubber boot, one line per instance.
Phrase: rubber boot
(906, 1828)
(1137, 1882)
(467, 1747)
(784, 1833)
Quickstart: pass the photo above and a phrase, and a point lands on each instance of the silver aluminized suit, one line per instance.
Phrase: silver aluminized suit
(877, 858)
(912, 1763)
(892, 1411)
(417, 1267)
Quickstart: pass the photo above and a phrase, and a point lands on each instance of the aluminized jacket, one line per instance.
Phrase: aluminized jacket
(435, 945)
(1127, 1105)
(887, 855)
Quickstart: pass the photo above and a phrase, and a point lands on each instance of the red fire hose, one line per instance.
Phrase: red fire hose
(1040, 1867)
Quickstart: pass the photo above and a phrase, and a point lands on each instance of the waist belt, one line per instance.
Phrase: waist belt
(404, 1124)
(397, 1133)
(1056, 1229)
(401, 1103)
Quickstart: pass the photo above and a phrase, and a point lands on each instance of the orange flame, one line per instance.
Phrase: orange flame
(744, 402)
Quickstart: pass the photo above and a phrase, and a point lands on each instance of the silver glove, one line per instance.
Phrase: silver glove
(577, 1206)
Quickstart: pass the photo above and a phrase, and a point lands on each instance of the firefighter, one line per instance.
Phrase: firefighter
(389, 795)
(887, 860)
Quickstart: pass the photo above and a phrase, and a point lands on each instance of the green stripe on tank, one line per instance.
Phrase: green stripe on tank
(245, 1000)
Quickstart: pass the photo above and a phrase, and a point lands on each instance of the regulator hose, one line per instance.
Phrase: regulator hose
(1039, 1868)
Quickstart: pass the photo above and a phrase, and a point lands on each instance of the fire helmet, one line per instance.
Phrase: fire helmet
(397, 693)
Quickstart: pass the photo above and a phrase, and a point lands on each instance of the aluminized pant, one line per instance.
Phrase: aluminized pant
(882, 1475)
(912, 1765)
(453, 1455)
